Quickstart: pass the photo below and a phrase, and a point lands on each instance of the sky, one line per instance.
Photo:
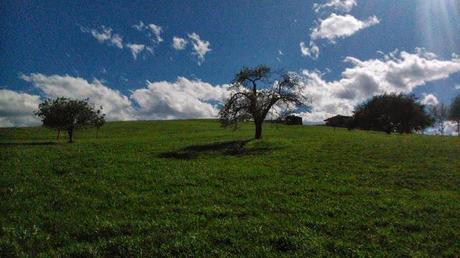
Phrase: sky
(175, 59)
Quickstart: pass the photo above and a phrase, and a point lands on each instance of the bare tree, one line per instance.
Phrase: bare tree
(255, 93)
(440, 114)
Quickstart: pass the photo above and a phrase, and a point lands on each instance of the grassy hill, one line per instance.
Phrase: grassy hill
(189, 188)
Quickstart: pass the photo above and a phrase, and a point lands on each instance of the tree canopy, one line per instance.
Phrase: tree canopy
(391, 113)
(68, 114)
(454, 112)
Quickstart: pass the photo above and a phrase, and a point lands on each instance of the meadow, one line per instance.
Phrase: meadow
(191, 188)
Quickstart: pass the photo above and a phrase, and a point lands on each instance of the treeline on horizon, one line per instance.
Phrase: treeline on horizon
(258, 91)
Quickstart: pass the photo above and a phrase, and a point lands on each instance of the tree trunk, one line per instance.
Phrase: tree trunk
(70, 132)
(59, 133)
(258, 130)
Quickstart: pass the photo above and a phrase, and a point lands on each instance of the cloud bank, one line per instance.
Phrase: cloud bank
(116, 105)
(396, 72)
(16, 109)
(181, 99)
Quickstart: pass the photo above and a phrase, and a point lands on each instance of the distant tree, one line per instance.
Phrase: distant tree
(454, 112)
(98, 120)
(391, 113)
(255, 91)
(440, 114)
(66, 114)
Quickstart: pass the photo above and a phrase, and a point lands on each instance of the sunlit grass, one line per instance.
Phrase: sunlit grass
(301, 191)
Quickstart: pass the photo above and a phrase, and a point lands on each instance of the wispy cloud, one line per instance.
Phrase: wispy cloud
(337, 5)
(179, 43)
(311, 51)
(135, 49)
(152, 30)
(104, 35)
(200, 47)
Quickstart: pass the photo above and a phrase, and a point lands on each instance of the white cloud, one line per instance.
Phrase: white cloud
(429, 100)
(451, 128)
(457, 87)
(312, 51)
(105, 35)
(338, 5)
(116, 106)
(179, 43)
(397, 72)
(16, 109)
(135, 49)
(200, 47)
(156, 30)
(340, 26)
(181, 99)
(335, 26)
(149, 49)
(140, 26)
(153, 31)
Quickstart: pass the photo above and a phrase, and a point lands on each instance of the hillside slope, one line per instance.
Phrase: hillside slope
(187, 188)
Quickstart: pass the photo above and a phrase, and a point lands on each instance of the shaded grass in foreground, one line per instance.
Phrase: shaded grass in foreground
(192, 188)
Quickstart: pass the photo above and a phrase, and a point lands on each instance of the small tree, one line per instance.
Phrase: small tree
(440, 114)
(98, 120)
(391, 113)
(255, 93)
(66, 114)
(454, 112)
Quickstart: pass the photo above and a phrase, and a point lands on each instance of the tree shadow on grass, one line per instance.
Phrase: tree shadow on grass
(228, 148)
(12, 144)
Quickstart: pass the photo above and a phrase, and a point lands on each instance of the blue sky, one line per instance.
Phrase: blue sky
(54, 38)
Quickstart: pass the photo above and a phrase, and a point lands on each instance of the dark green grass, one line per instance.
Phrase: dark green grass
(182, 188)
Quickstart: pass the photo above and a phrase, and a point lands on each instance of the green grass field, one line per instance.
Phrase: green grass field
(183, 188)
